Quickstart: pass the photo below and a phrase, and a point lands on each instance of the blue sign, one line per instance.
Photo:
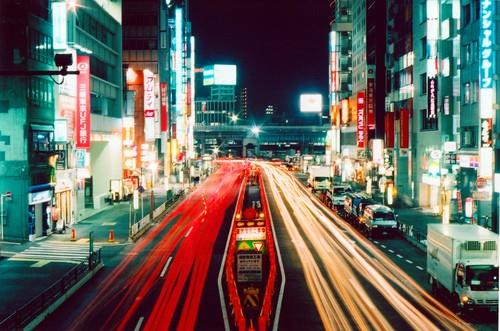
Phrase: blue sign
(80, 158)
(486, 43)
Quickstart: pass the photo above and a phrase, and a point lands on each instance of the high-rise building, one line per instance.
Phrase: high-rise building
(221, 104)
(243, 103)
(400, 93)
(342, 110)
(55, 134)
(269, 113)
(478, 156)
(140, 59)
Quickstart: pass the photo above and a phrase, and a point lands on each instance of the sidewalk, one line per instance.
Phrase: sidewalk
(29, 269)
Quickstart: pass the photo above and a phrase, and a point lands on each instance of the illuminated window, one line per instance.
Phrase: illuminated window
(467, 94)
(428, 124)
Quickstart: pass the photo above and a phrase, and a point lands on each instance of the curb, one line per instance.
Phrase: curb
(39, 319)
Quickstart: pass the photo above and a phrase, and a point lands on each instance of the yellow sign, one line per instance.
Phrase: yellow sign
(251, 299)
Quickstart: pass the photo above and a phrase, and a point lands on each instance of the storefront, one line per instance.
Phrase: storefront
(39, 210)
(64, 198)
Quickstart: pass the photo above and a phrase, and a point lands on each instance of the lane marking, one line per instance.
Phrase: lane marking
(166, 267)
(376, 242)
(32, 259)
(108, 223)
(280, 262)
(189, 231)
(420, 268)
(222, 265)
(410, 262)
(390, 250)
(400, 256)
(39, 264)
(139, 324)
(383, 246)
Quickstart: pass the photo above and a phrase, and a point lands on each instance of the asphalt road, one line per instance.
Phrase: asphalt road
(324, 255)
(168, 279)
(348, 278)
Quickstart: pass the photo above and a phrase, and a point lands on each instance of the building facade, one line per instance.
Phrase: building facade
(58, 133)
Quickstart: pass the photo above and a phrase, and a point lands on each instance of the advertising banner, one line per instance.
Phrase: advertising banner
(149, 105)
(83, 113)
(360, 127)
(404, 128)
(164, 107)
(370, 97)
(432, 97)
(389, 130)
(486, 43)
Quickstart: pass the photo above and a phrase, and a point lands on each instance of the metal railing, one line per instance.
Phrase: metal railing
(27, 313)
(138, 228)
(418, 238)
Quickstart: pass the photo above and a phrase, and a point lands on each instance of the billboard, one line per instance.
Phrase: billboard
(360, 126)
(82, 122)
(219, 74)
(311, 103)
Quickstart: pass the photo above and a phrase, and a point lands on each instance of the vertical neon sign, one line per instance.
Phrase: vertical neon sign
(179, 68)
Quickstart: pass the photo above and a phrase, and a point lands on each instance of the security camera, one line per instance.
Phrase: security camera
(63, 60)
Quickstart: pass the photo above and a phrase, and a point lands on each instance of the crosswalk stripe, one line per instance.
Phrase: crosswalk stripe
(55, 251)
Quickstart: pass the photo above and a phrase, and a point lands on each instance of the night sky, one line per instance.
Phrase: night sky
(280, 47)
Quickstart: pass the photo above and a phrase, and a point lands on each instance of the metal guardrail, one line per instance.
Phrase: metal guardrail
(418, 238)
(137, 229)
(27, 313)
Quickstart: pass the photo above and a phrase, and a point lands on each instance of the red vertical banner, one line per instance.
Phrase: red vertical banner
(389, 130)
(360, 127)
(164, 106)
(404, 128)
(174, 131)
(83, 109)
(370, 103)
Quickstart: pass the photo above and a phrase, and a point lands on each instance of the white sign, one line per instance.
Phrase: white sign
(378, 151)
(59, 26)
(39, 197)
(496, 183)
(311, 103)
(450, 146)
(249, 267)
(149, 105)
(435, 154)
(251, 233)
(61, 130)
(485, 162)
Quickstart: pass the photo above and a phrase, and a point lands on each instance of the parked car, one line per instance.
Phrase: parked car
(378, 218)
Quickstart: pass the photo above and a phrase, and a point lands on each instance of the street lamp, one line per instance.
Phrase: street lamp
(234, 118)
(255, 130)
(153, 166)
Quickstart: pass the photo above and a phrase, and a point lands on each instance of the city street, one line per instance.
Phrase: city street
(161, 280)
(343, 269)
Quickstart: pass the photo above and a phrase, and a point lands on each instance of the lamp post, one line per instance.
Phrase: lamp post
(153, 167)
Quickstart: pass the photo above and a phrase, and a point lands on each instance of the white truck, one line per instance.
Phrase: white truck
(319, 178)
(463, 259)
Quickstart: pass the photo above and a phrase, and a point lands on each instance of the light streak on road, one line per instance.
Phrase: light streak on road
(338, 261)
(185, 249)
